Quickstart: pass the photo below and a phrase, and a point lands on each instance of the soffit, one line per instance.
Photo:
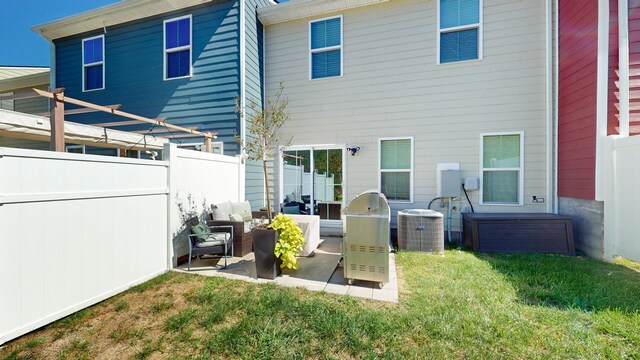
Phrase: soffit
(299, 9)
(114, 14)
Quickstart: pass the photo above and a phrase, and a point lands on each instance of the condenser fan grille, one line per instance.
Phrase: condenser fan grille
(421, 230)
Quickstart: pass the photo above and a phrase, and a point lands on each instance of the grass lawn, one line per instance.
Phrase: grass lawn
(460, 306)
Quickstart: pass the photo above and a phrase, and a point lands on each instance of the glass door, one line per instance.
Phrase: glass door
(327, 183)
(296, 181)
(312, 181)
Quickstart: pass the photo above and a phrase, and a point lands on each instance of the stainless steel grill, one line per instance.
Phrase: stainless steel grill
(366, 238)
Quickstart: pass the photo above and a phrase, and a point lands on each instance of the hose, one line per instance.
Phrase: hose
(431, 202)
(467, 195)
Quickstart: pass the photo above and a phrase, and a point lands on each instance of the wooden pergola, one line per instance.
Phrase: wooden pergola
(57, 113)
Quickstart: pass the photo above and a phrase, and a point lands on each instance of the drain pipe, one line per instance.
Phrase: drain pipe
(449, 219)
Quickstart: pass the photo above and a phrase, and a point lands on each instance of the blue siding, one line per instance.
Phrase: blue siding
(254, 76)
(134, 73)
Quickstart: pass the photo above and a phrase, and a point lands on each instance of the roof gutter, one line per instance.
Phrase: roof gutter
(300, 9)
(118, 13)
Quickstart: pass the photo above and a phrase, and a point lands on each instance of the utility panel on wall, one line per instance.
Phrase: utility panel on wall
(448, 179)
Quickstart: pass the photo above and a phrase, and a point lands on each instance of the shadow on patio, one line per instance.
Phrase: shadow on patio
(320, 272)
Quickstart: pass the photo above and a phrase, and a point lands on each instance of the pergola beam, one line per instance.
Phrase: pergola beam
(80, 110)
(25, 95)
(51, 95)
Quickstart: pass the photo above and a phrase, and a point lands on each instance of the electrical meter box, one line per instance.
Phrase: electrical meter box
(450, 183)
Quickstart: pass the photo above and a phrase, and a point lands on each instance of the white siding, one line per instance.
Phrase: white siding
(392, 86)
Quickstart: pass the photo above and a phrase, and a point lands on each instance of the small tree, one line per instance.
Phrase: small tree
(262, 137)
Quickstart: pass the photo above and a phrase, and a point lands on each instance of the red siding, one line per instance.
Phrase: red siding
(578, 51)
(634, 67)
(613, 103)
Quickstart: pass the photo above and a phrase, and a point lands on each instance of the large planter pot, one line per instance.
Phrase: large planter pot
(264, 243)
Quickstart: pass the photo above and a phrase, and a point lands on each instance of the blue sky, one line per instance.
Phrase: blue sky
(23, 47)
(20, 45)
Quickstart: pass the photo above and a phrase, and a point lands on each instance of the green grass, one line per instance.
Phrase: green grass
(462, 305)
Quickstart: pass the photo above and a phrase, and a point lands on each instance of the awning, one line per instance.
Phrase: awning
(25, 126)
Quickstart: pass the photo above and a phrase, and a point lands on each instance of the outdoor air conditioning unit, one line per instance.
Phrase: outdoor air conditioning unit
(421, 230)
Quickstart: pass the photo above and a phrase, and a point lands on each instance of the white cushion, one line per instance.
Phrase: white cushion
(215, 239)
(241, 207)
(235, 217)
(222, 210)
(247, 226)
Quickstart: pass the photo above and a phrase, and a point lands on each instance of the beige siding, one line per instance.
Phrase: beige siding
(392, 86)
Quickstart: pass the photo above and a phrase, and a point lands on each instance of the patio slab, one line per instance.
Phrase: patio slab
(320, 272)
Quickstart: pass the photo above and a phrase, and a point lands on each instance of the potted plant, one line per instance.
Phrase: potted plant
(262, 141)
(290, 241)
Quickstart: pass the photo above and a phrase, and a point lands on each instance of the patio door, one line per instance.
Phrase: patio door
(313, 177)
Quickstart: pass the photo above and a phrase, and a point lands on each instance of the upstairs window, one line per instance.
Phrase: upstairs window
(459, 30)
(502, 168)
(93, 63)
(177, 48)
(326, 47)
(396, 169)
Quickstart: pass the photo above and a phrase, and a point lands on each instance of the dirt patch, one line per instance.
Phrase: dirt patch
(116, 328)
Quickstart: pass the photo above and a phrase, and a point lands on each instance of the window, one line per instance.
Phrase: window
(177, 48)
(459, 30)
(396, 169)
(75, 149)
(217, 147)
(325, 38)
(502, 168)
(93, 63)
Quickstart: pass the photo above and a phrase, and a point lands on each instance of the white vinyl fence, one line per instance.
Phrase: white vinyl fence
(622, 198)
(76, 229)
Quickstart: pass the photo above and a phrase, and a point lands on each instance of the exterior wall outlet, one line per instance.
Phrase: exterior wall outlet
(537, 199)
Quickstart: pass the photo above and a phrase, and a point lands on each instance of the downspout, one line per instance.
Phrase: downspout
(556, 119)
(623, 66)
(549, 103)
(243, 98)
(52, 66)
(602, 92)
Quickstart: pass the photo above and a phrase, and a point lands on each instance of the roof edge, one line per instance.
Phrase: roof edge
(300, 9)
(129, 10)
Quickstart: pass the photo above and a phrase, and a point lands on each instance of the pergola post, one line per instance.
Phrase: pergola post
(207, 144)
(57, 120)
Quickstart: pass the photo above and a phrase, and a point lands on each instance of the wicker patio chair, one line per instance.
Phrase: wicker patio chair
(214, 242)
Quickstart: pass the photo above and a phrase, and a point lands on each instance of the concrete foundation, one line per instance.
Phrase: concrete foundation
(588, 224)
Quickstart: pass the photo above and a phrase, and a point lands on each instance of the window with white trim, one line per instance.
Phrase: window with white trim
(217, 147)
(459, 30)
(325, 48)
(396, 169)
(502, 167)
(93, 63)
(177, 48)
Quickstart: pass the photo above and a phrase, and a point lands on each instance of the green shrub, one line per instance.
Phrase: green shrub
(290, 240)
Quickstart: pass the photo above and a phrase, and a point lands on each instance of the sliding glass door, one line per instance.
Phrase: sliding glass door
(312, 181)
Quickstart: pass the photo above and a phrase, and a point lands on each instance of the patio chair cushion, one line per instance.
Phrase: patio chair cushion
(222, 210)
(215, 239)
(241, 207)
(235, 217)
(202, 231)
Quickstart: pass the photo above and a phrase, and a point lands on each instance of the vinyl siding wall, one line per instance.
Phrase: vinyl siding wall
(134, 73)
(578, 46)
(254, 76)
(393, 87)
(33, 105)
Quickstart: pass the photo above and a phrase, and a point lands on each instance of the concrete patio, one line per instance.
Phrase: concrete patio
(320, 272)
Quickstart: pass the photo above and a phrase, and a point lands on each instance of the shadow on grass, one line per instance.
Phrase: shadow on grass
(569, 282)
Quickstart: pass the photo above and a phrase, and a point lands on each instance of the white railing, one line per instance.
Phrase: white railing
(76, 229)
